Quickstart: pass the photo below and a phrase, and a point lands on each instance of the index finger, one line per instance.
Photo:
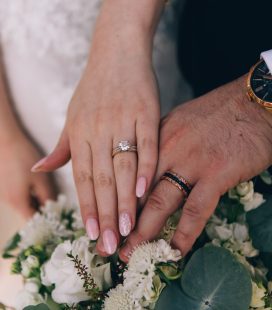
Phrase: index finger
(162, 202)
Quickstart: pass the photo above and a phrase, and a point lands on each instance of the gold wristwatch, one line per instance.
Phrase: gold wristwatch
(259, 83)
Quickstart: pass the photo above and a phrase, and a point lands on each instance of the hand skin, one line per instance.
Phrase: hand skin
(17, 154)
(116, 99)
(215, 142)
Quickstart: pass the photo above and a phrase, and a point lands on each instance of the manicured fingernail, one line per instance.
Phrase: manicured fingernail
(92, 228)
(124, 224)
(110, 242)
(38, 165)
(141, 187)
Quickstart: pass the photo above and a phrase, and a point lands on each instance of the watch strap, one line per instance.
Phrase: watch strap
(267, 57)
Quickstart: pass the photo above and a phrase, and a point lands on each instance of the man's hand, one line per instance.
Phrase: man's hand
(215, 142)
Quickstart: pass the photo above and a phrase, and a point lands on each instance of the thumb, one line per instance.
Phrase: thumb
(58, 158)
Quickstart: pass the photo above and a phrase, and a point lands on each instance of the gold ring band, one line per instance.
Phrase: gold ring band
(178, 181)
(124, 146)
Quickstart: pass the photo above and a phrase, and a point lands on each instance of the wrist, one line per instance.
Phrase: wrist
(246, 104)
(126, 25)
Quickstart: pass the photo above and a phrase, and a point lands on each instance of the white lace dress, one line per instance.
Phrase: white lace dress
(45, 46)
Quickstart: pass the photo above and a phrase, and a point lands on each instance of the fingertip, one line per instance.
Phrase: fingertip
(100, 248)
(125, 252)
(39, 165)
(92, 228)
(125, 224)
(141, 186)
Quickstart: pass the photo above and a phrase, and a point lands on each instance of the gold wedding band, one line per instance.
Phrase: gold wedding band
(124, 146)
(178, 181)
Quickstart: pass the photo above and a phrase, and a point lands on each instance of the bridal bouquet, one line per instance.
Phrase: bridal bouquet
(230, 266)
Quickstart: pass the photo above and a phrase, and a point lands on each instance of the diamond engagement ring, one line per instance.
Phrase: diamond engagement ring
(124, 146)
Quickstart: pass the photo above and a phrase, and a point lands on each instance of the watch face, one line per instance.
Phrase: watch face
(261, 82)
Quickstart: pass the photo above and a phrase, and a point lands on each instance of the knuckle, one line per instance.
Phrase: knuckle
(181, 236)
(194, 211)
(124, 164)
(156, 203)
(85, 206)
(103, 180)
(83, 177)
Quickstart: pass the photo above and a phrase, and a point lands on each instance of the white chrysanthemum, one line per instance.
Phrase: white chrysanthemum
(120, 299)
(45, 225)
(138, 278)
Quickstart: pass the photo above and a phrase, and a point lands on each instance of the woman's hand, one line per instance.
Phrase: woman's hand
(116, 100)
(18, 186)
(215, 142)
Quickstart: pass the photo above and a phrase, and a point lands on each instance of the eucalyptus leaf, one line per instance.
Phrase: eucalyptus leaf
(212, 280)
(266, 177)
(38, 307)
(260, 226)
(172, 297)
(12, 244)
(217, 280)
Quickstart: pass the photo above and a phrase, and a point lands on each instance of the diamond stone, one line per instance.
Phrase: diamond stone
(124, 145)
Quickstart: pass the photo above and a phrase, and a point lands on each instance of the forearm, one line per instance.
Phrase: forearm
(127, 25)
(8, 123)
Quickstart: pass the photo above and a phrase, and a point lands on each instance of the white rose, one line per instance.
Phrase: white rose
(61, 271)
(25, 298)
(258, 294)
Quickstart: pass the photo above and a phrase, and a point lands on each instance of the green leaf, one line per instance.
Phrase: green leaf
(266, 177)
(11, 245)
(38, 307)
(212, 280)
(172, 297)
(260, 226)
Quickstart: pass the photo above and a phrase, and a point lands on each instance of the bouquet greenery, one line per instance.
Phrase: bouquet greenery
(230, 266)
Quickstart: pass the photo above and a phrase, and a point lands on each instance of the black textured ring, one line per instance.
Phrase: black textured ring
(178, 181)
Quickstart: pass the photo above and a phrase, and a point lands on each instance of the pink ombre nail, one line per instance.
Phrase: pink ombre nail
(110, 242)
(124, 224)
(92, 228)
(38, 165)
(141, 187)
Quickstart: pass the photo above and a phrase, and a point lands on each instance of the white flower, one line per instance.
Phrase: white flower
(254, 203)
(77, 221)
(61, 272)
(32, 285)
(244, 192)
(258, 294)
(26, 297)
(45, 226)
(27, 265)
(240, 232)
(119, 298)
(138, 278)
(219, 229)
